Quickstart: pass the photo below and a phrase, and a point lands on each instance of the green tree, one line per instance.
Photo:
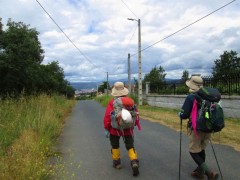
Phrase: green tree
(185, 76)
(228, 64)
(20, 54)
(104, 86)
(1, 26)
(21, 70)
(156, 77)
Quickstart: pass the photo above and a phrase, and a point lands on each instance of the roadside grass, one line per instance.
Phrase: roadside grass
(168, 117)
(29, 129)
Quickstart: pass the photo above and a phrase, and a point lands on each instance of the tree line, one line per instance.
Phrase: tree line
(227, 65)
(21, 71)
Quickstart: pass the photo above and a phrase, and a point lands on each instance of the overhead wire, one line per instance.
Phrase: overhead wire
(117, 67)
(67, 36)
(129, 9)
(168, 36)
(184, 27)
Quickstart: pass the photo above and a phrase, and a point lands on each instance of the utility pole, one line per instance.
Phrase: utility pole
(139, 64)
(139, 61)
(129, 74)
(107, 83)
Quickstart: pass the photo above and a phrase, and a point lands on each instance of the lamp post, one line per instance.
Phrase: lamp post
(139, 61)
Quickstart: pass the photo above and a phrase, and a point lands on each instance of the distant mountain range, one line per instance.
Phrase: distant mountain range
(93, 85)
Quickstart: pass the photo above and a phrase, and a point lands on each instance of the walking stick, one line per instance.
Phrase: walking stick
(180, 153)
(216, 160)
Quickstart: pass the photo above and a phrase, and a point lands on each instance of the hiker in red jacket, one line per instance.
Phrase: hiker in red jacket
(198, 140)
(127, 134)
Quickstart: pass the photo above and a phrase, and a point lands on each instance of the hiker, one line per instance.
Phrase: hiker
(114, 134)
(198, 142)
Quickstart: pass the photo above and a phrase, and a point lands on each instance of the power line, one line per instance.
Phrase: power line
(185, 27)
(117, 67)
(67, 35)
(129, 9)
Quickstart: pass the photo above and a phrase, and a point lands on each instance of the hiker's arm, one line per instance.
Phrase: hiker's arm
(107, 116)
(187, 107)
(137, 123)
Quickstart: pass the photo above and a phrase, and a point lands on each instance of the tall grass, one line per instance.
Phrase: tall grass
(29, 128)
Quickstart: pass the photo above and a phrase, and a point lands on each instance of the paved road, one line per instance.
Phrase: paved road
(83, 143)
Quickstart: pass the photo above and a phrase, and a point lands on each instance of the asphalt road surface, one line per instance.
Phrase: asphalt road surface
(87, 152)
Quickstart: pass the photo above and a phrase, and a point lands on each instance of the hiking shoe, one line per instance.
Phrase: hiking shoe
(212, 175)
(135, 166)
(197, 173)
(117, 164)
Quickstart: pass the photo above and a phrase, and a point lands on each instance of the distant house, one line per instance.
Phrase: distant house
(84, 92)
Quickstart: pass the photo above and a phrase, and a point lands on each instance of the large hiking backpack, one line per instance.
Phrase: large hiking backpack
(124, 114)
(210, 117)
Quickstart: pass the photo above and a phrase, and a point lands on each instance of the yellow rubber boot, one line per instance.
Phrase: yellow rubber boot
(134, 161)
(116, 158)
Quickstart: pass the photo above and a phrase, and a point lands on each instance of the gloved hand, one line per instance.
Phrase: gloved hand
(179, 114)
(106, 132)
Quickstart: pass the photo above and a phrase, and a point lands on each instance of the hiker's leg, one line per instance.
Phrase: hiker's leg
(205, 141)
(194, 150)
(132, 154)
(203, 155)
(197, 158)
(115, 151)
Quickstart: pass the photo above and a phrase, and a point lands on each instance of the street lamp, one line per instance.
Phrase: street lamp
(139, 61)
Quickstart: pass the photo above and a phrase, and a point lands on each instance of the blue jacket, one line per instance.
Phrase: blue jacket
(187, 106)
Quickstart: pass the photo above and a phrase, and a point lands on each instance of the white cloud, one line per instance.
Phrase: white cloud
(104, 36)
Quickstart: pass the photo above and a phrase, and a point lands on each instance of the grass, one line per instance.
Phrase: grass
(29, 129)
(168, 117)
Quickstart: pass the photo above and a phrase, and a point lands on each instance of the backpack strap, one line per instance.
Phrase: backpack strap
(194, 114)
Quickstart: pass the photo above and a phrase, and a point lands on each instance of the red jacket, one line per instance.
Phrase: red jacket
(107, 122)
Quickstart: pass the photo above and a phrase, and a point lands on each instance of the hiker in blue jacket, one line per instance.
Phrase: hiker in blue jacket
(199, 140)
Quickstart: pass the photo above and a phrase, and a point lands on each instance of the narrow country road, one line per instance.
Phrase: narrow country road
(87, 153)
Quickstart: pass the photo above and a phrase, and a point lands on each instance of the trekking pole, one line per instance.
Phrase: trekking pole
(180, 152)
(216, 160)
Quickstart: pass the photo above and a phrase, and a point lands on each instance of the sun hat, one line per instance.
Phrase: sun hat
(119, 89)
(195, 83)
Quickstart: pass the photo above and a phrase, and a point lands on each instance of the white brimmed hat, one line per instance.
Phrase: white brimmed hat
(119, 89)
(195, 83)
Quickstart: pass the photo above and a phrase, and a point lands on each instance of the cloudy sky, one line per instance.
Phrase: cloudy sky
(92, 38)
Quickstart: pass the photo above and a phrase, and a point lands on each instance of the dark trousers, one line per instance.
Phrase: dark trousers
(128, 141)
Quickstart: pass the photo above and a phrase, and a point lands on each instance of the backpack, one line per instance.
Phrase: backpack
(210, 116)
(124, 114)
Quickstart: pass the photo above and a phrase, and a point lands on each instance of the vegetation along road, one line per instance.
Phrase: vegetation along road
(87, 154)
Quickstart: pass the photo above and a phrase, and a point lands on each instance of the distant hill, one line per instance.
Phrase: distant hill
(93, 85)
(84, 85)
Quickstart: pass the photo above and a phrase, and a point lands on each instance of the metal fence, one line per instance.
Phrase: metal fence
(228, 85)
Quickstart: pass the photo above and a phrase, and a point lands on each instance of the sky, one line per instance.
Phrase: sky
(91, 39)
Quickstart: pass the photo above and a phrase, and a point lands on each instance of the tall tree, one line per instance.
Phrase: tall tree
(20, 53)
(227, 64)
(185, 75)
(156, 77)
(1, 26)
(21, 70)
